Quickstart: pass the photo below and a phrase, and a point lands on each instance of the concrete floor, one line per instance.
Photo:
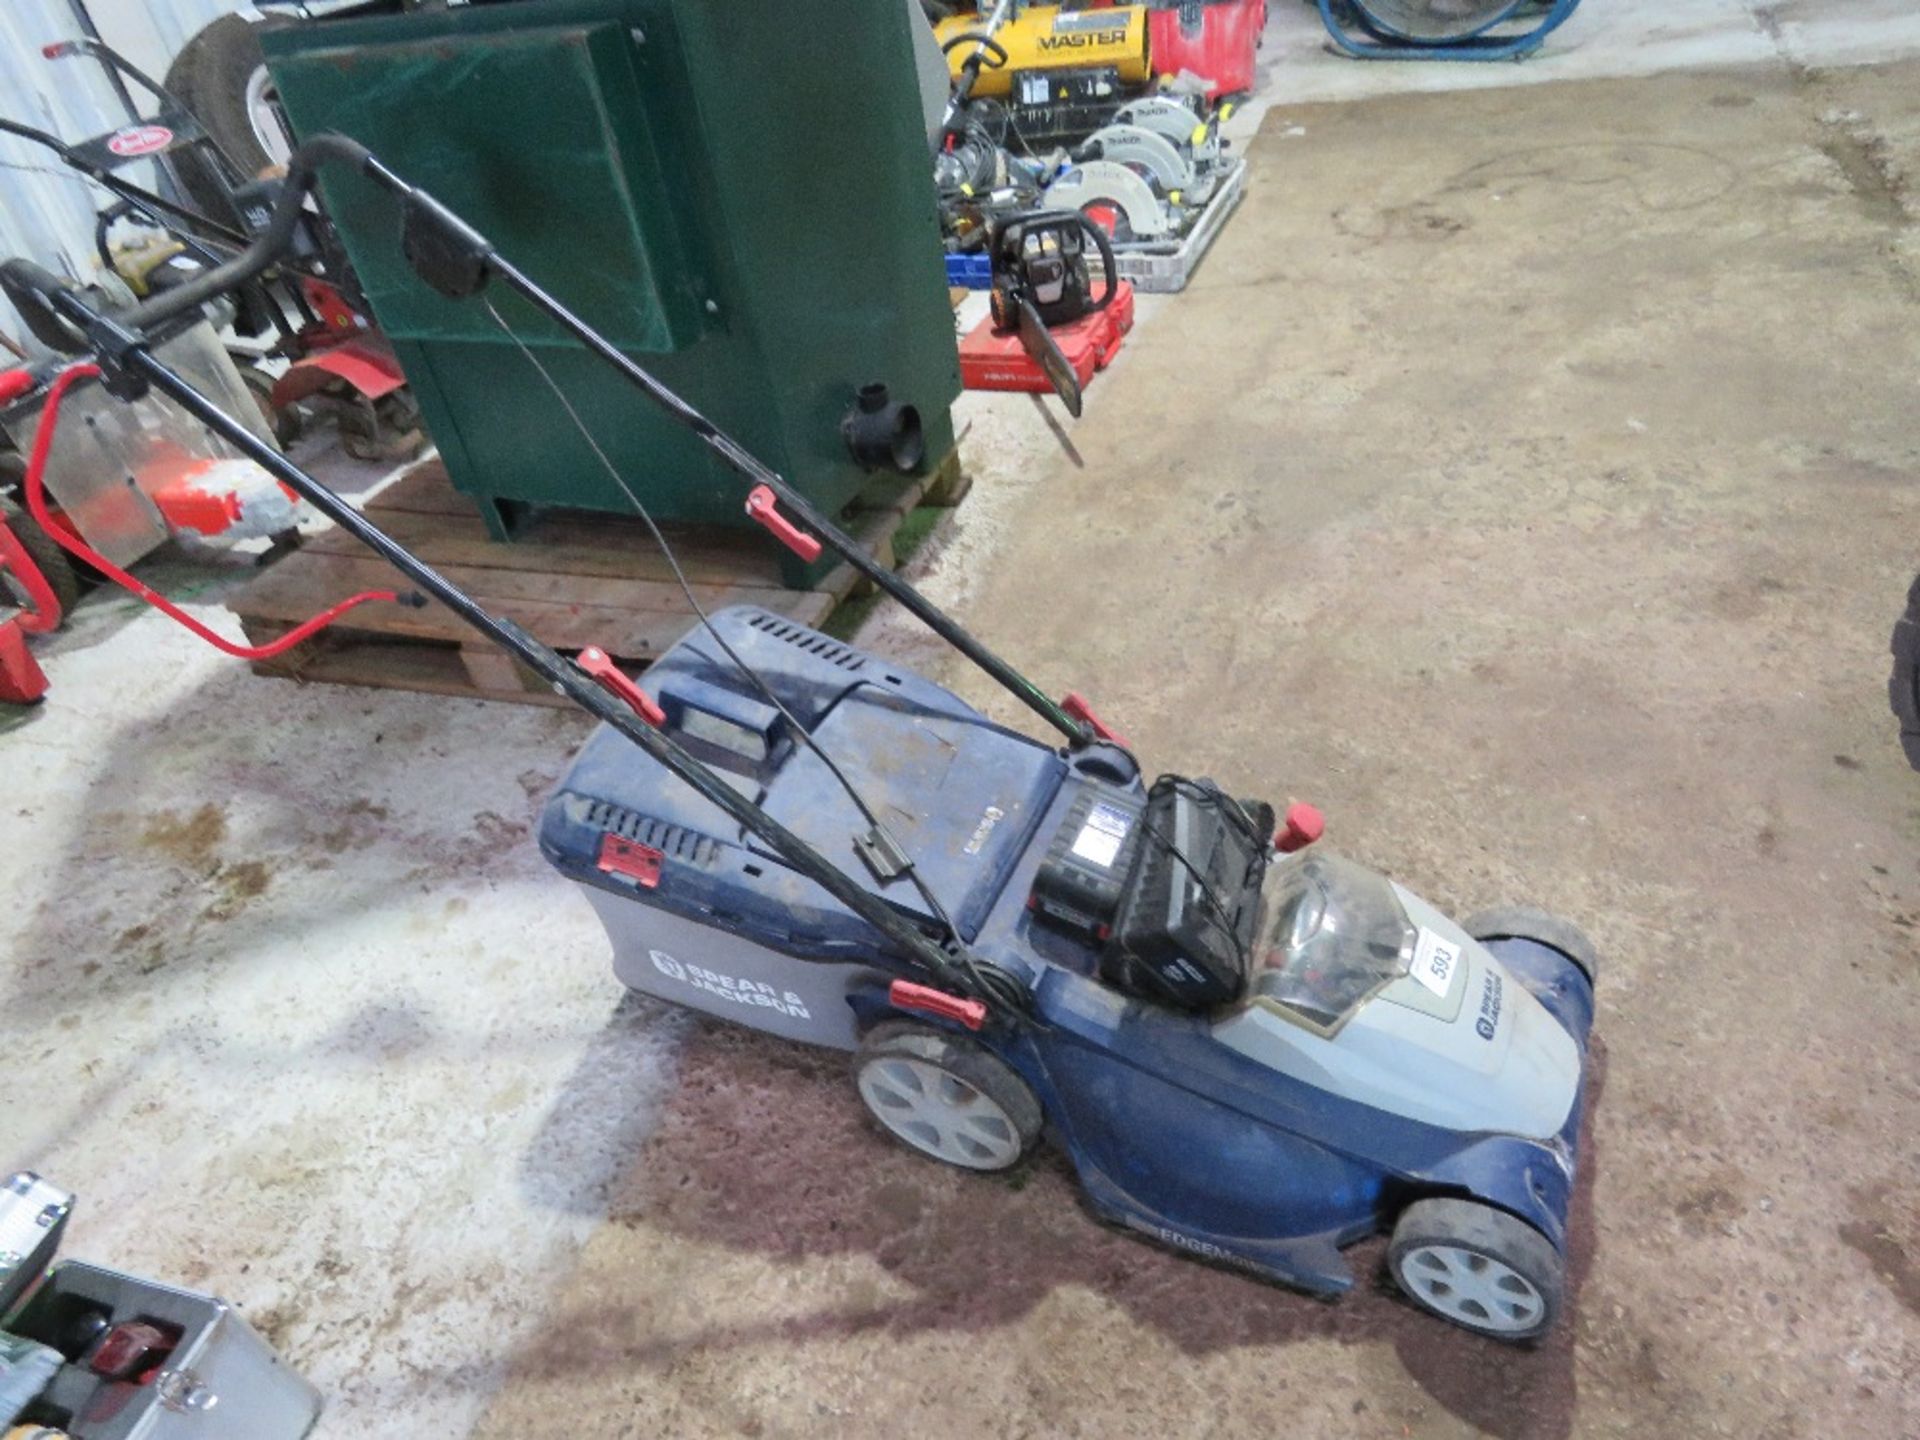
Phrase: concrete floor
(1526, 479)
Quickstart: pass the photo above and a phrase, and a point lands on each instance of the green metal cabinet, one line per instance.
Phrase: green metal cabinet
(737, 192)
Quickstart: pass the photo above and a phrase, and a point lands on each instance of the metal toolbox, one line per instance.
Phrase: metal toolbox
(33, 1215)
(211, 1377)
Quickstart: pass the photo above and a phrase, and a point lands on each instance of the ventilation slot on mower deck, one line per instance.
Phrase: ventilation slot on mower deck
(676, 842)
(811, 641)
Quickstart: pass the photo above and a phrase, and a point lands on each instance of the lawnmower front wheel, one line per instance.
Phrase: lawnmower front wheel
(1523, 922)
(1481, 1268)
(945, 1096)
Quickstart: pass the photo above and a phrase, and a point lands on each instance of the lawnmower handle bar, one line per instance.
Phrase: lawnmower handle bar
(126, 190)
(129, 367)
(120, 345)
(456, 260)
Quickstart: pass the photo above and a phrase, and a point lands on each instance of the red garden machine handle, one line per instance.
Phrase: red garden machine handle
(14, 383)
(44, 612)
(44, 615)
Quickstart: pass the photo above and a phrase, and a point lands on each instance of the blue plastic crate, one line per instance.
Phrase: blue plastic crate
(970, 272)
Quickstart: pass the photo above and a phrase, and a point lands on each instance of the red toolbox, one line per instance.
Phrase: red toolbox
(994, 360)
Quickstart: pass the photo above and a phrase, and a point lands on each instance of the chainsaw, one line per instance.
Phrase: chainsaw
(1043, 277)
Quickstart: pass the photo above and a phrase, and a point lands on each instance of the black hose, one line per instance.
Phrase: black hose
(269, 245)
(987, 44)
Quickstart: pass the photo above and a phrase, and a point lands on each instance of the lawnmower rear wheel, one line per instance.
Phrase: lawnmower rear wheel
(945, 1096)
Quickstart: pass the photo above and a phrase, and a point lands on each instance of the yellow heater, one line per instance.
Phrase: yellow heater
(1046, 37)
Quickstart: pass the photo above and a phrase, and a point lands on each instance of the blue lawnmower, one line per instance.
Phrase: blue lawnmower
(1253, 1055)
(1250, 1048)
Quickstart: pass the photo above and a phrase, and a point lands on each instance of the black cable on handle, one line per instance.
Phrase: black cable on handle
(458, 261)
(876, 826)
(750, 469)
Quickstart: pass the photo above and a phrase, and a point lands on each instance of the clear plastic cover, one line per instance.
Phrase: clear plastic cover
(109, 456)
(1334, 933)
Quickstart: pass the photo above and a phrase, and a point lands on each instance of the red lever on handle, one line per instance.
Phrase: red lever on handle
(597, 663)
(762, 505)
(906, 995)
(1075, 704)
(14, 384)
(1304, 825)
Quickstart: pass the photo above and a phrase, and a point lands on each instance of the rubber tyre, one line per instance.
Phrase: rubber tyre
(396, 432)
(964, 1061)
(1903, 686)
(60, 575)
(1476, 1229)
(283, 421)
(1523, 922)
(209, 76)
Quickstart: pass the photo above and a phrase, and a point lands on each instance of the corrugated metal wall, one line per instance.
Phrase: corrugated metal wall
(46, 211)
(151, 32)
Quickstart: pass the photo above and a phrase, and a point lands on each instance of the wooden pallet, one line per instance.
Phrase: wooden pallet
(573, 580)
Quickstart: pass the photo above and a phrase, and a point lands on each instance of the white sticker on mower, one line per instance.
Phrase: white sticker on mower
(1100, 838)
(727, 987)
(139, 140)
(1434, 962)
(1192, 1242)
(989, 818)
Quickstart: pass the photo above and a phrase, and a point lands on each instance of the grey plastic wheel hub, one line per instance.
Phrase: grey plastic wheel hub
(1473, 1289)
(938, 1113)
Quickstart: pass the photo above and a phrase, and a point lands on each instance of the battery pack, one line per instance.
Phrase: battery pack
(1186, 920)
(1078, 885)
